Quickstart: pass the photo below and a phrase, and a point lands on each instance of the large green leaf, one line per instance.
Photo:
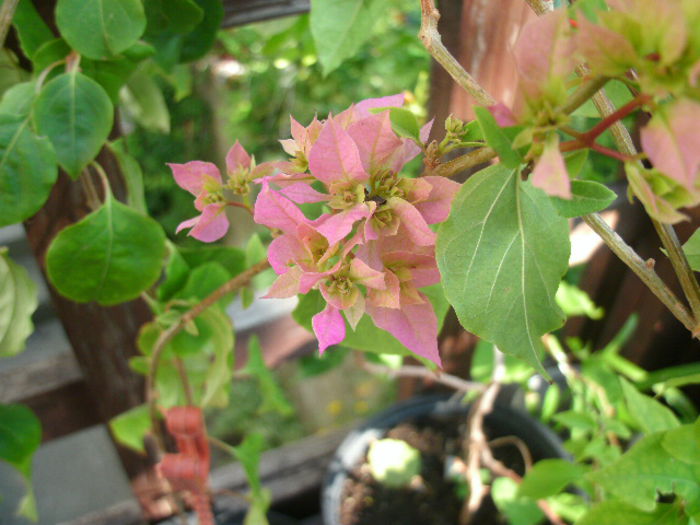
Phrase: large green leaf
(31, 28)
(340, 27)
(646, 469)
(502, 254)
(75, 113)
(28, 170)
(20, 437)
(684, 443)
(18, 300)
(100, 29)
(110, 256)
(200, 40)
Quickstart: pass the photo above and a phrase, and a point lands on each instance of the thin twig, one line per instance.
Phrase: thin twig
(7, 11)
(432, 41)
(463, 162)
(166, 336)
(457, 383)
(583, 94)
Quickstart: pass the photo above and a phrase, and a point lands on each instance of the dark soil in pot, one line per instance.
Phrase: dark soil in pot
(436, 428)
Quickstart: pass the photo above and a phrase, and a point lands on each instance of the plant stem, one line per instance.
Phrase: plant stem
(457, 383)
(166, 336)
(432, 41)
(463, 162)
(583, 94)
(7, 11)
(643, 271)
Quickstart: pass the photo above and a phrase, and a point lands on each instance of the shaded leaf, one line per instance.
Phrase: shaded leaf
(75, 113)
(20, 437)
(28, 170)
(179, 16)
(110, 256)
(100, 28)
(144, 101)
(502, 254)
(18, 301)
(549, 477)
(340, 27)
(273, 397)
(133, 176)
(32, 31)
(200, 40)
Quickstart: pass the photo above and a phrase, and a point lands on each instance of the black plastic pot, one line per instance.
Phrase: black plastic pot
(503, 421)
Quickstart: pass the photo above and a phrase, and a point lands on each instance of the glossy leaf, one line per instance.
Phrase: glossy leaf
(549, 477)
(649, 415)
(340, 27)
(130, 428)
(100, 29)
(31, 28)
(502, 254)
(587, 197)
(692, 250)
(110, 256)
(28, 170)
(75, 113)
(18, 300)
(497, 138)
(647, 469)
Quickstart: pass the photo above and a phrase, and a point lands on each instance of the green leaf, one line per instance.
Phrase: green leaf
(202, 281)
(144, 101)
(588, 197)
(100, 29)
(502, 254)
(249, 453)
(616, 512)
(518, 510)
(48, 55)
(18, 301)
(684, 443)
(31, 29)
(273, 397)
(130, 428)
(367, 337)
(497, 138)
(18, 99)
(617, 91)
(575, 161)
(403, 122)
(649, 415)
(549, 477)
(340, 27)
(133, 176)
(110, 256)
(76, 114)
(231, 258)
(110, 74)
(574, 301)
(176, 272)
(28, 170)
(647, 469)
(254, 251)
(576, 420)
(179, 16)
(219, 374)
(20, 437)
(200, 40)
(692, 250)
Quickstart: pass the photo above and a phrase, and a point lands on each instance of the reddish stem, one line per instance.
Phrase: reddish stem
(240, 205)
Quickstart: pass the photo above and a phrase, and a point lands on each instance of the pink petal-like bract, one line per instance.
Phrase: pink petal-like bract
(286, 285)
(283, 250)
(302, 192)
(375, 139)
(436, 208)
(334, 156)
(329, 327)
(550, 173)
(190, 176)
(414, 325)
(412, 222)
(392, 101)
(672, 142)
(503, 115)
(237, 158)
(212, 224)
(275, 211)
(337, 226)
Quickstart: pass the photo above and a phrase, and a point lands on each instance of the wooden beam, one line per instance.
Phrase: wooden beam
(241, 12)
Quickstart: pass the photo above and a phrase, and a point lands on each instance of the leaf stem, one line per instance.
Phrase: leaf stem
(432, 41)
(641, 268)
(583, 94)
(166, 336)
(7, 12)
(463, 162)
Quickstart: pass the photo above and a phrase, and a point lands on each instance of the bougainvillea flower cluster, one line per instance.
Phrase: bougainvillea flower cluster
(370, 250)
